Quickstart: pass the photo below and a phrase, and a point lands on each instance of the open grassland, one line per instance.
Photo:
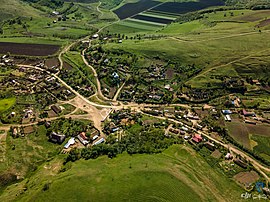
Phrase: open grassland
(25, 154)
(5, 104)
(242, 49)
(177, 173)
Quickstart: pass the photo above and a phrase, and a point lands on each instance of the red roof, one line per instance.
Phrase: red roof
(197, 138)
(83, 136)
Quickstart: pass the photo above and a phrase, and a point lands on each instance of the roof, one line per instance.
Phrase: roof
(57, 138)
(197, 138)
(83, 136)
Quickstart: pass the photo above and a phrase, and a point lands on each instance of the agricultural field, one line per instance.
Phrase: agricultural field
(243, 133)
(185, 7)
(28, 49)
(148, 177)
(131, 9)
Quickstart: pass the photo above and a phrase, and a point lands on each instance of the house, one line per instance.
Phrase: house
(56, 109)
(227, 117)
(245, 113)
(228, 156)
(197, 138)
(70, 142)
(99, 141)
(83, 139)
(95, 36)
(226, 111)
(95, 137)
(57, 138)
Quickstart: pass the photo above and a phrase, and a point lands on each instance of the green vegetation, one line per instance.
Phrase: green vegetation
(7, 103)
(175, 174)
(262, 145)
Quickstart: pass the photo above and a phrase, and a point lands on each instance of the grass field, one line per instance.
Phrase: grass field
(178, 174)
(5, 104)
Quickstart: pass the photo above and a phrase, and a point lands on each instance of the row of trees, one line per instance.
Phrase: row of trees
(148, 142)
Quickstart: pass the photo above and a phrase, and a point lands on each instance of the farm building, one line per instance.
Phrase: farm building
(228, 156)
(197, 138)
(227, 117)
(56, 109)
(57, 138)
(99, 141)
(245, 113)
(83, 139)
(226, 111)
(70, 142)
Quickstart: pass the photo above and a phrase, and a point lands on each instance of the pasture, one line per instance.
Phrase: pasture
(177, 173)
(6, 103)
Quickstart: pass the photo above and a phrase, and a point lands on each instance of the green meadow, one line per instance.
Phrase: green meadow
(178, 173)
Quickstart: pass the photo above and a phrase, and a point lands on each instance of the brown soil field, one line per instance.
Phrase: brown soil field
(169, 73)
(264, 23)
(247, 178)
(258, 15)
(67, 66)
(28, 129)
(216, 154)
(52, 62)
(239, 133)
(262, 129)
(28, 49)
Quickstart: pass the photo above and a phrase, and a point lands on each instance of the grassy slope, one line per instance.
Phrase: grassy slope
(178, 174)
(198, 41)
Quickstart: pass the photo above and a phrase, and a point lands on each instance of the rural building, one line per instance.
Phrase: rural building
(245, 113)
(70, 142)
(56, 109)
(228, 156)
(227, 117)
(57, 138)
(95, 36)
(83, 139)
(226, 111)
(99, 141)
(197, 138)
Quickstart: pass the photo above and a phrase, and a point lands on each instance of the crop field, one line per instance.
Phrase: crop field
(241, 132)
(5, 104)
(168, 176)
(152, 19)
(28, 49)
(131, 9)
(185, 7)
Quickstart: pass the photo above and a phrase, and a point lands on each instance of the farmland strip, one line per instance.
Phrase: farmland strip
(152, 19)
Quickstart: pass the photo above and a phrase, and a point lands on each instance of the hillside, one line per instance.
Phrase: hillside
(178, 173)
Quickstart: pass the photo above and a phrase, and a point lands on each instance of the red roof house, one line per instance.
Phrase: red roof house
(197, 138)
